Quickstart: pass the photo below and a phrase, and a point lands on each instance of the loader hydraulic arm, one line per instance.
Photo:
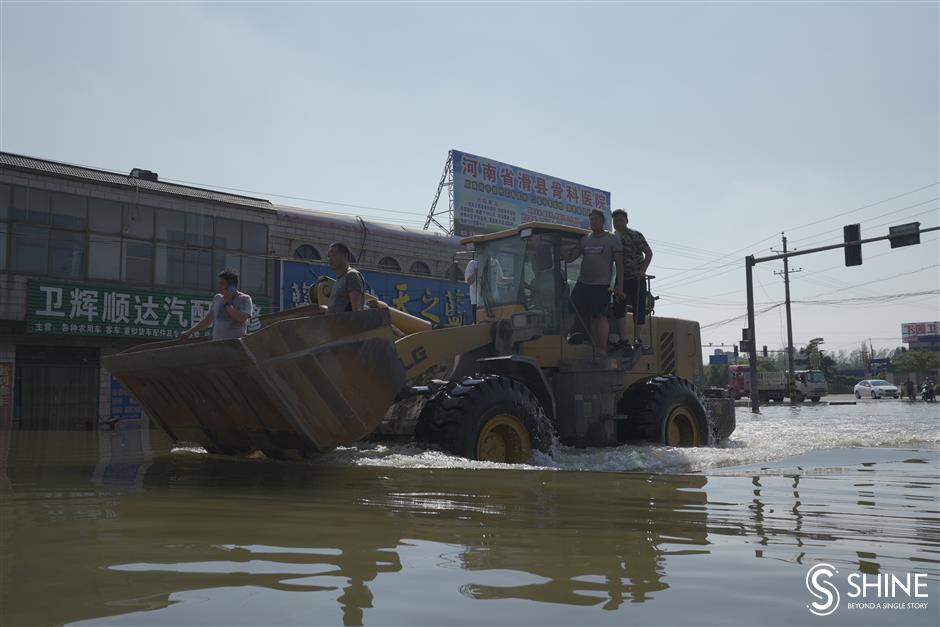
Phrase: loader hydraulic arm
(421, 351)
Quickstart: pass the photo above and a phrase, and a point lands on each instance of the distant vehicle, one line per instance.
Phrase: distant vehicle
(771, 386)
(809, 384)
(927, 393)
(876, 388)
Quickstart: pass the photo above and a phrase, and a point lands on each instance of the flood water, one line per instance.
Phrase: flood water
(114, 528)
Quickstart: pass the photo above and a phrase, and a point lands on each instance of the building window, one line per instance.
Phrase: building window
(31, 205)
(388, 263)
(255, 238)
(198, 269)
(171, 226)
(68, 254)
(138, 221)
(419, 267)
(138, 262)
(306, 251)
(104, 216)
(227, 261)
(30, 249)
(253, 274)
(69, 211)
(228, 233)
(170, 265)
(104, 257)
(6, 198)
(198, 230)
(4, 229)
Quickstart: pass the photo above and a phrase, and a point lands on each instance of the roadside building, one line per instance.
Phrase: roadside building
(93, 262)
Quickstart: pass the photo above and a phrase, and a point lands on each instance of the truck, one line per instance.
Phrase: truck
(809, 384)
(772, 386)
(515, 381)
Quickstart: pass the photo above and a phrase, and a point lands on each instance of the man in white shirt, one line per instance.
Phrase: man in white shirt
(470, 276)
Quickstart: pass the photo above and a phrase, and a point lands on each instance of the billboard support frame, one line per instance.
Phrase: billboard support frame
(447, 180)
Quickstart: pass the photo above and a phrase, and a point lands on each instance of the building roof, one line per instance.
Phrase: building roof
(32, 164)
(285, 212)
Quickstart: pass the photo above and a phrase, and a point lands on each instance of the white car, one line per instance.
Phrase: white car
(875, 388)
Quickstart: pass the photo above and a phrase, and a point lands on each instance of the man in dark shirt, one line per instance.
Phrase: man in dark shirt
(637, 256)
(347, 293)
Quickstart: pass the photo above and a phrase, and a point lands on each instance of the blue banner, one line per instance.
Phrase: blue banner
(123, 405)
(441, 302)
(491, 196)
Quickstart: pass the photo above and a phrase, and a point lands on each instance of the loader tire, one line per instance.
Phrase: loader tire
(666, 410)
(485, 417)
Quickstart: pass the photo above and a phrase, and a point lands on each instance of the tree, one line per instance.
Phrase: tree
(916, 362)
(716, 376)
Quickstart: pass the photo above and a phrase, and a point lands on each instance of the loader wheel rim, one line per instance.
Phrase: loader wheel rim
(504, 439)
(681, 428)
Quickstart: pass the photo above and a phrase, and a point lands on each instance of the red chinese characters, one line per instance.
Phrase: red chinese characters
(525, 182)
(489, 172)
(507, 177)
(587, 198)
(572, 193)
(540, 187)
(556, 189)
(469, 167)
(600, 200)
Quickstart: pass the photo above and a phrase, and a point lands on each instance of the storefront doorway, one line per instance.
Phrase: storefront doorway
(56, 387)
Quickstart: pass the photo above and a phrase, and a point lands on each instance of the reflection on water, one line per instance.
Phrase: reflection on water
(118, 531)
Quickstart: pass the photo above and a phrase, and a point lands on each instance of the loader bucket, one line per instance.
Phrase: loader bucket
(296, 386)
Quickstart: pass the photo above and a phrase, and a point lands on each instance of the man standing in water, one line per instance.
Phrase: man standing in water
(591, 295)
(348, 292)
(637, 256)
(229, 312)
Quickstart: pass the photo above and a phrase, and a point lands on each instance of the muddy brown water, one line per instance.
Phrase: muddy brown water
(112, 528)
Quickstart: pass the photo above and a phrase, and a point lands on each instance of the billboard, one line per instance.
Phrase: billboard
(913, 331)
(60, 308)
(441, 302)
(490, 196)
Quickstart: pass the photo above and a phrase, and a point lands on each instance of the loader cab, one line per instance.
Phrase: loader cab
(521, 270)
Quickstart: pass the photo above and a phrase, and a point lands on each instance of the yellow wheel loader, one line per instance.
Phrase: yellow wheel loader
(309, 381)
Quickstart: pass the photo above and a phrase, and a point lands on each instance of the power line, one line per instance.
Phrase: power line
(868, 206)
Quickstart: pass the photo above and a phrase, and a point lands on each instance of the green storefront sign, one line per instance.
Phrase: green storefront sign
(61, 308)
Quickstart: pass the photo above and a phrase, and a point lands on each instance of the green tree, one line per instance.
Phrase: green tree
(916, 362)
(716, 376)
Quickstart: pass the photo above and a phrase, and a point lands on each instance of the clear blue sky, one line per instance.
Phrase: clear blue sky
(715, 125)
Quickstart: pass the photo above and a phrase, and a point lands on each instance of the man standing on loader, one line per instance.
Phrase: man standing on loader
(637, 256)
(591, 296)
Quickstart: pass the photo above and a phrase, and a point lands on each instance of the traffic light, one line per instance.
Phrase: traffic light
(765, 351)
(745, 343)
(853, 253)
(735, 351)
(904, 234)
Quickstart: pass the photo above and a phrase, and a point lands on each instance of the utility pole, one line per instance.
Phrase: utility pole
(786, 289)
(901, 235)
(749, 263)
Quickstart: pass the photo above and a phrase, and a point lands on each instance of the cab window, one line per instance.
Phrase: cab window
(541, 278)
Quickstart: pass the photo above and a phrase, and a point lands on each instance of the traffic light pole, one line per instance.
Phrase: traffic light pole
(750, 261)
